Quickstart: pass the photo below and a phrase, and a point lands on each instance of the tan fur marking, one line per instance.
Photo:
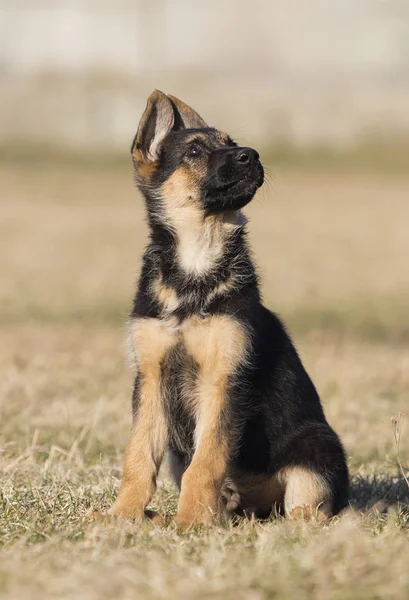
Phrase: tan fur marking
(152, 340)
(149, 432)
(258, 492)
(196, 136)
(307, 494)
(218, 345)
(169, 301)
(144, 170)
(200, 239)
(222, 288)
(165, 295)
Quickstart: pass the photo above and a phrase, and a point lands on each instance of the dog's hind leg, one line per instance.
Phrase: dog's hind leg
(307, 494)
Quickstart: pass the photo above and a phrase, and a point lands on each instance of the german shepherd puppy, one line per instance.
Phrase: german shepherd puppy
(219, 384)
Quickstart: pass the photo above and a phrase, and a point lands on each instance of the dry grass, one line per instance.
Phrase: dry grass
(331, 251)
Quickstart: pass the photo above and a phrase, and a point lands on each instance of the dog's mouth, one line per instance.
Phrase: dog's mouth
(250, 179)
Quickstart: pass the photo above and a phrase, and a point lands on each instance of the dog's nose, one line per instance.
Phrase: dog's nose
(246, 156)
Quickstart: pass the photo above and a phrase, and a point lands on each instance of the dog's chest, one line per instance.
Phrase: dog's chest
(215, 343)
(157, 342)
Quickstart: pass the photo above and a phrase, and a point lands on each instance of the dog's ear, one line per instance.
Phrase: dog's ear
(186, 117)
(155, 124)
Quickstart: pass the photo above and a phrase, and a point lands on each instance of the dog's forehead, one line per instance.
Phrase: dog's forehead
(209, 136)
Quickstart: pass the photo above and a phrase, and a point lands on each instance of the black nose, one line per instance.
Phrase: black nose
(246, 156)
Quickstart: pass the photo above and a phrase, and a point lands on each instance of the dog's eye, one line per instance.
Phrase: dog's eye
(195, 150)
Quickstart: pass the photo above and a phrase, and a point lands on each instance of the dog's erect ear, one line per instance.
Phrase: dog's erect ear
(186, 117)
(155, 124)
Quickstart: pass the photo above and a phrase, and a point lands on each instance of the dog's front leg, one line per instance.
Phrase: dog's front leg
(218, 345)
(144, 452)
(149, 435)
(200, 494)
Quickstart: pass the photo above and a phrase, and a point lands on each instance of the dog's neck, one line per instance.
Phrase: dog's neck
(193, 262)
(201, 240)
(199, 244)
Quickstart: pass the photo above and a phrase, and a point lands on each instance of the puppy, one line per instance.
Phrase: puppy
(219, 384)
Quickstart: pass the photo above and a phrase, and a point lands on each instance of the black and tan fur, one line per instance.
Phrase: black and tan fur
(219, 385)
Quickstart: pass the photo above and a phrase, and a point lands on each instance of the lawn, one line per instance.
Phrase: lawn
(332, 251)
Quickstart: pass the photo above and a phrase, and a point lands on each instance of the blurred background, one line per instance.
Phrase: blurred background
(333, 74)
(320, 88)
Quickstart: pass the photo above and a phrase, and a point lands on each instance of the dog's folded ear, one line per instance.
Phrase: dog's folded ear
(186, 117)
(156, 122)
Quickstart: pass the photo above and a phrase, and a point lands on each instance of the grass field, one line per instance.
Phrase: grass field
(333, 254)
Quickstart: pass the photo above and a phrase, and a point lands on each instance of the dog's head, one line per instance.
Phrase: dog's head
(181, 161)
